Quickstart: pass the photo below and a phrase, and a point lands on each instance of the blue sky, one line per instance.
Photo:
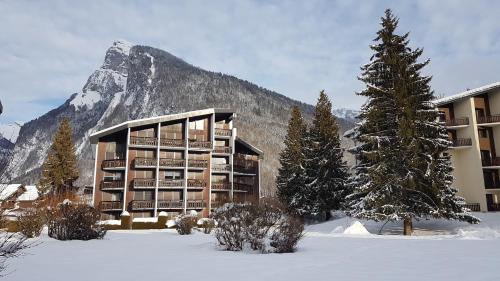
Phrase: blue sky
(297, 48)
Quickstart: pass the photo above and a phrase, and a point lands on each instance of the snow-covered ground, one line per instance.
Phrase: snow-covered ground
(440, 251)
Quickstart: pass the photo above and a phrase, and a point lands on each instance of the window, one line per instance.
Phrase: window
(479, 112)
(483, 133)
(173, 175)
(197, 125)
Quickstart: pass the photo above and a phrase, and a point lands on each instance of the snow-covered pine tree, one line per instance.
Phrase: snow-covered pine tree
(59, 170)
(290, 174)
(325, 171)
(402, 171)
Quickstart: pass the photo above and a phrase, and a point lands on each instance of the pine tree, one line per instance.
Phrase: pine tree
(290, 174)
(325, 171)
(402, 171)
(59, 170)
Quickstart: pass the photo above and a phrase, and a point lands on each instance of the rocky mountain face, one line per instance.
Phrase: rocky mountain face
(138, 82)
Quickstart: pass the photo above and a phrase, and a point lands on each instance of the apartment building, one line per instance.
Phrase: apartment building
(173, 163)
(473, 122)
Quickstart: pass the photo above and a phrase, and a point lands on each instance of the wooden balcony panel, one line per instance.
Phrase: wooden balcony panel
(245, 169)
(494, 207)
(200, 144)
(174, 163)
(222, 149)
(221, 186)
(143, 204)
(170, 204)
(489, 119)
(146, 141)
(457, 122)
(196, 204)
(113, 163)
(194, 163)
(242, 187)
(112, 184)
(217, 204)
(196, 183)
(223, 132)
(491, 162)
(144, 183)
(170, 183)
(172, 142)
(474, 207)
(111, 205)
(144, 162)
(461, 142)
(221, 167)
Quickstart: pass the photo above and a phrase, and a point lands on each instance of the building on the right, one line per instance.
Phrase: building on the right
(473, 122)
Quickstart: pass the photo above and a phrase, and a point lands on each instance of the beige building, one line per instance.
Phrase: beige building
(174, 164)
(473, 122)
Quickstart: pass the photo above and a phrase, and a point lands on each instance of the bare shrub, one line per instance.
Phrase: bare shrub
(11, 245)
(232, 220)
(207, 224)
(70, 221)
(287, 234)
(263, 218)
(31, 222)
(185, 223)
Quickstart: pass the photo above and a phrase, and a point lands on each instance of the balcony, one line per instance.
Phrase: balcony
(244, 187)
(170, 204)
(494, 207)
(171, 163)
(143, 141)
(224, 185)
(464, 121)
(196, 183)
(196, 204)
(141, 162)
(200, 144)
(221, 168)
(223, 132)
(474, 207)
(172, 142)
(112, 185)
(113, 164)
(144, 183)
(195, 163)
(222, 149)
(247, 167)
(461, 142)
(143, 204)
(490, 184)
(170, 183)
(217, 204)
(111, 205)
(492, 162)
(489, 119)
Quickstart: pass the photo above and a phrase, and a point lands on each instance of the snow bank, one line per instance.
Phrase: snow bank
(110, 222)
(171, 223)
(356, 228)
(145, 219)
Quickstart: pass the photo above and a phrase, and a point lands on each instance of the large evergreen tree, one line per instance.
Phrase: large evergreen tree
(290, 175)
(402, 171)
(59, 170)
(325, 171)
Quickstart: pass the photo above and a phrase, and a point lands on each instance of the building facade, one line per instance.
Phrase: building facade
(174, 164)
(473, 122)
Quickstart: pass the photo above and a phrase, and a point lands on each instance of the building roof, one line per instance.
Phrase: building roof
(251, 147)
(30, 194)
(468, 93)
(7, 190)
(146, 121)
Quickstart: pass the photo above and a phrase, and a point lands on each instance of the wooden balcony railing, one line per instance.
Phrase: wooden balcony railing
(144, 162)
(142, 204)
(489, 184)
(170, 204)
(221, 185)
(144, 183)
(172, 142)
(196, 183)
(221, 167)
(170, 183)
(200, 144)
(251, 169)
(457, 122)
(111, 205)
(112, 184)
(113, 163)
(494, 207)
(491, 162)
(489, 119)
(196, 204)
(147, 141)
(242, 186)
(195, 163)
(461, 142)
(174, 163)
(217, 204)
(474, 207)
(222, 149)
(223, 132)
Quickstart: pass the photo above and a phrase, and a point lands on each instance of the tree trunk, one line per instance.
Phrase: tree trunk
(408, 226)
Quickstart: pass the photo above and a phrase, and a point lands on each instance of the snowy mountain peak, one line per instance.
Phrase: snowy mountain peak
(121, 46)
(346, 113)
(10, 131)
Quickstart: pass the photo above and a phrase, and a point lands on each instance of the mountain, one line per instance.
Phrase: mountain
(140, 81)
(346, 113)
(10, 132)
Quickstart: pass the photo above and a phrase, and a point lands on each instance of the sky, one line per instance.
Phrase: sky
(48, 49)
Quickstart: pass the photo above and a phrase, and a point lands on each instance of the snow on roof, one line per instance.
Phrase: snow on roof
(30, 194)
(6, 190)
(468, 93)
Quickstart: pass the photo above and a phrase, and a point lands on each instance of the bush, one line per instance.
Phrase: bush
(68, 221)
(30, 223)
(287, 234)
(255, 226)
(207, 224)
(185, 223)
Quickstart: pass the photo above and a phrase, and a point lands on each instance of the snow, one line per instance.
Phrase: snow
(86, 100)
(6, 190)
(467, 93)
(356, 228)
(152, 219)
(151, 68)
(125, 213)
(441, 250)
(110, 222)
(171, 223)
(10, 131)
(30, 194)
(163, 214)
